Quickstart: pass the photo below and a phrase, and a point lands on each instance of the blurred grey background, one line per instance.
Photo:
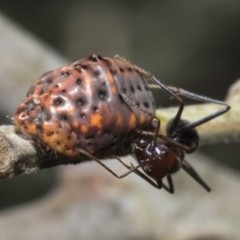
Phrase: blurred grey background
(191, 44)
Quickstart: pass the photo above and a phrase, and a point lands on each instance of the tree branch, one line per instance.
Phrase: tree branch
(20, 155)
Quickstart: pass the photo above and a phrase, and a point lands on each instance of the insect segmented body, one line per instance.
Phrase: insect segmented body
(100, 107)
(80, 107)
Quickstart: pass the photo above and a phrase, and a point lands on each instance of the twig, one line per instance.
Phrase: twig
(20, 155)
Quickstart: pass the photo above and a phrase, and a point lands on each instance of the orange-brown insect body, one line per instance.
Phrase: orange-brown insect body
(79, 106)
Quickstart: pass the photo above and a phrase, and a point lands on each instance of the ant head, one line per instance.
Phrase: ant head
(157, 160)
(184, 135)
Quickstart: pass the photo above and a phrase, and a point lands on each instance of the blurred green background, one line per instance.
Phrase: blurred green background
(191, 44)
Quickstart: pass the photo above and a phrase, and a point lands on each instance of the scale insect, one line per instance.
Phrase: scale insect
(98, 108)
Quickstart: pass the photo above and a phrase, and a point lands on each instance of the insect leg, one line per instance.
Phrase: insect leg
(197, 97)
(190, 170)
(146, 178)
(106, 167)
(156, 134)
(170, 187)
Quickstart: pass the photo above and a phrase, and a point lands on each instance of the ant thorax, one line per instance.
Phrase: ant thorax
(184, 135)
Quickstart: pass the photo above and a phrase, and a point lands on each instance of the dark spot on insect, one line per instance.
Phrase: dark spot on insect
(102, 95)
(89, 144)
(32, 109)
(42, 108)
(139, 88)
(113, 72)
(65, 74)
(106, 131)
(104, 84)
(82, 116)
(64, 90)
(96, 73)
(42, 91)
(69, 137)
(89, 137)
(78, 81)
(121, 98)
(39, 127)
(46, 118)
(57, 86)
(31, 120)
(121, 69)
(100, 57)
(64, 118)
(58, 143)
(132, 89)
(85, 67)
(66, 147)
(95, 109)
(49, 80)
(59, 127)
(78, 67)
(57, 101)
(146, 105)
(146, 88)
(94, 58)
(129, 69)
(37, 120)
(80, 101)
(49, 134)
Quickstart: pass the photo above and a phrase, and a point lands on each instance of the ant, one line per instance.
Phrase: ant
(159, 160)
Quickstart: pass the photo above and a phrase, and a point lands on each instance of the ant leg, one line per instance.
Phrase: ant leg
(158, 185)
(128, 101)
(197, 97)
(176, 92)
(170, 187)
(190, 170)
(132, 169)
(146, 178)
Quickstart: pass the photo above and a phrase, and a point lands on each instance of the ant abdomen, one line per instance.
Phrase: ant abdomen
(185, 136)
(157, 160)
